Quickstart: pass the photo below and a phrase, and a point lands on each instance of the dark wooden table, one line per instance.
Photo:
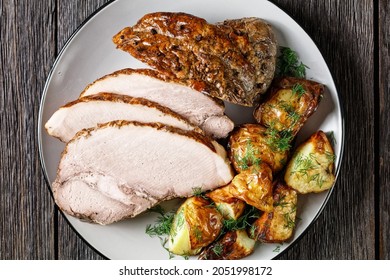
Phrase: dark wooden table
(354, 38)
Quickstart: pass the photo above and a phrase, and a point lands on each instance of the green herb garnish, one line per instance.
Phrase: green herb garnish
(218, 249)
(198, 233)
(197, 191)
(318, 179)
(288, 64)
(162, 227)
(291, 113)
(303, 164)
(298, 90)
(330, 157)
(281, 203)
(163, 223)
(289, 223)
(250, 157)
(279, 141)
(180, 220)
(277, 249)
(242, 222)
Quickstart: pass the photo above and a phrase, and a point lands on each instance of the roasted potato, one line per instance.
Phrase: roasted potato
(311, 168)
(291, 101)
(233, 245)
(251, 144)
(278, 225)
(229, 206)
(254, 186)
(196, 224)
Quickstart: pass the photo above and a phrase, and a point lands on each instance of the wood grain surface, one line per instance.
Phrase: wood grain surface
(382, 126)
(354, 38)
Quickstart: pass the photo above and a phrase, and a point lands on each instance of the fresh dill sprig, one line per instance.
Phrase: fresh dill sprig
(331, 157)
(294, 116)
(198, 234)
(162, 226)
(288, 64)
(218, 249)
(293, 208)
(180, 220)
(164, 245)
(279, 141)
(289, 222)
(252, 230)
(277, 249)
(284, 142)
(242, 162)
(157, 209)
(243, 221)
(281, 202)
(231, 224)
(298, 90)
(197, 191)
(320, 181)
(303, 164)
(286, 107)
(291, 113)
(250, 157)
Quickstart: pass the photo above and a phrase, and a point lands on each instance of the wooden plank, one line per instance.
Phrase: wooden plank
(384, 135)
(27, 51)
(343, 31)
(70, 15)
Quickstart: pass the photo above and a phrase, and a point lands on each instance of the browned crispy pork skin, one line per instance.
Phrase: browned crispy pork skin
(120, 169)
(233, 60)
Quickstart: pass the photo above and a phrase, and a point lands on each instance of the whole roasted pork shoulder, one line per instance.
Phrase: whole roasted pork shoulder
(120, 169)
(233, 60)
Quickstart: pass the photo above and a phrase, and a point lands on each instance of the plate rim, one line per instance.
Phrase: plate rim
(40, 129)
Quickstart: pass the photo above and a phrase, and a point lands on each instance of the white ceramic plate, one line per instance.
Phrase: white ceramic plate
(90, 54)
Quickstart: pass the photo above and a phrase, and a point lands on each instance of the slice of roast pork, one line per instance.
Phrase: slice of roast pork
(120, 169)
(200, 109)
(91, 110)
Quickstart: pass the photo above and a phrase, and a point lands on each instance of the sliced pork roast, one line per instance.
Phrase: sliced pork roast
(234, 60)
(200, 109)
(91, 110)
(120, 169)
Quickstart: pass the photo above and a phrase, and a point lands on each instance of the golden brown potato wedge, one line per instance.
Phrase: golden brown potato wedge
(278, 225)
(233, 245)
(195, 225)
(254, 186)
(251, 144)
(311, 168)
(290, 103)
(228, 205)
